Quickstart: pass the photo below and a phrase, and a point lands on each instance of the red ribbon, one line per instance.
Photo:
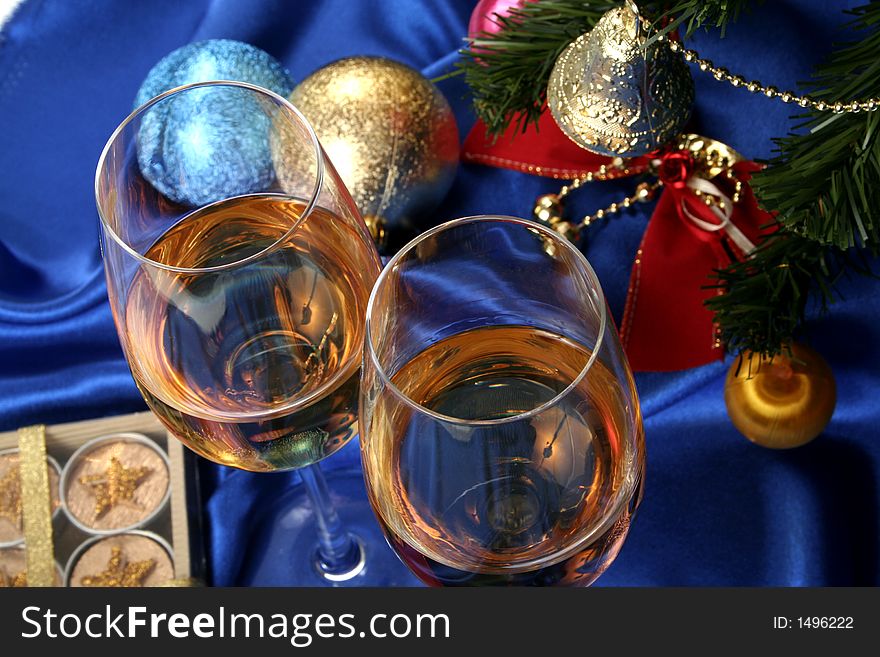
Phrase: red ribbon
(545, 151)
(666, 325)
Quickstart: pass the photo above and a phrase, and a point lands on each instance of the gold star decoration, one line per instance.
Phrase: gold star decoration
(14, 581)
(120, 573)
(10, 497)
(117, 484)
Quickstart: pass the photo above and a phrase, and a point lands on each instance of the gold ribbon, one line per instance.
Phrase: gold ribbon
(180, 581)
(36, 506)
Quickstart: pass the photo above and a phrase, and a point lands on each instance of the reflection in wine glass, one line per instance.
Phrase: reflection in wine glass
(501, 435)
(240, 303)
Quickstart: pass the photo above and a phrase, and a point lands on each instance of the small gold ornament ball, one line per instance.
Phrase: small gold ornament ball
(567, 229)
(548, 209)
(784, 402)
(388, 131)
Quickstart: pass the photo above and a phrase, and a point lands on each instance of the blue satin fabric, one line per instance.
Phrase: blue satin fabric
(717, 510)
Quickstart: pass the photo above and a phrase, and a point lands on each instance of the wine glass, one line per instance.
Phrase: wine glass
(238, 272)
(501, 435)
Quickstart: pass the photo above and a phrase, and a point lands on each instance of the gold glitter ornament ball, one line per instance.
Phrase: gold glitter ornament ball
(388, 131)
(784, 402)
(614, 97)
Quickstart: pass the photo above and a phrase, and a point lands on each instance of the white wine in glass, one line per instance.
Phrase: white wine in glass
(501, 435)
(240, 301)
(273, 383)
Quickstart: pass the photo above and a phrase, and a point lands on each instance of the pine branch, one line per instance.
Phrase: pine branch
(508, 71)
(824, 185)
(694, 14)
(824, 181)
(766, 296)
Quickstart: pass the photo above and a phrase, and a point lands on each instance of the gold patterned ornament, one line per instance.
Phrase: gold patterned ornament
(10, 497)
(120, 573)
(117, 484)
(387, 130)
(613, 96)
(782, 402)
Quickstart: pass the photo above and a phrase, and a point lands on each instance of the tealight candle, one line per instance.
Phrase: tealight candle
(13, 568)
(115, 483)
(135, 558)
(11, 517)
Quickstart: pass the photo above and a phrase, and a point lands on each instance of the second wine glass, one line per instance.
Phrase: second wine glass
(501, 435)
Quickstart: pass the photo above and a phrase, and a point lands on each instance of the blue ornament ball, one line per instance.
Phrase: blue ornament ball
(211, 143)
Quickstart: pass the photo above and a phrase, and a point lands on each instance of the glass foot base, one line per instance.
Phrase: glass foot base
(283, 547)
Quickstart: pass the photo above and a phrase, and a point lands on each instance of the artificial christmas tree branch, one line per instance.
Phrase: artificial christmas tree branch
(765, 297)
(824, 180)
(508, 71)
(691, 15)
(824, 185)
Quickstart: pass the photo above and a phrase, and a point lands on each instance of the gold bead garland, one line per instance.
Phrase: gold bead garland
(754, 86)
(712, 157)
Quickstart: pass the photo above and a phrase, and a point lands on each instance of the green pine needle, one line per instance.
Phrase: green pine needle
(766, 296)
(694, 14)
(508, 71)
(824, 180)
(824, 183)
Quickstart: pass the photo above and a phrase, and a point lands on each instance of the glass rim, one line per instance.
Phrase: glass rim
(558, 240)
(139, 111)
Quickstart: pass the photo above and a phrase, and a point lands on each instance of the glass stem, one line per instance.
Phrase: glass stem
(339, 554)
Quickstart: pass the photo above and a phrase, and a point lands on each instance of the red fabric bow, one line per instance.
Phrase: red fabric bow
(676, 168)
(666, 325)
